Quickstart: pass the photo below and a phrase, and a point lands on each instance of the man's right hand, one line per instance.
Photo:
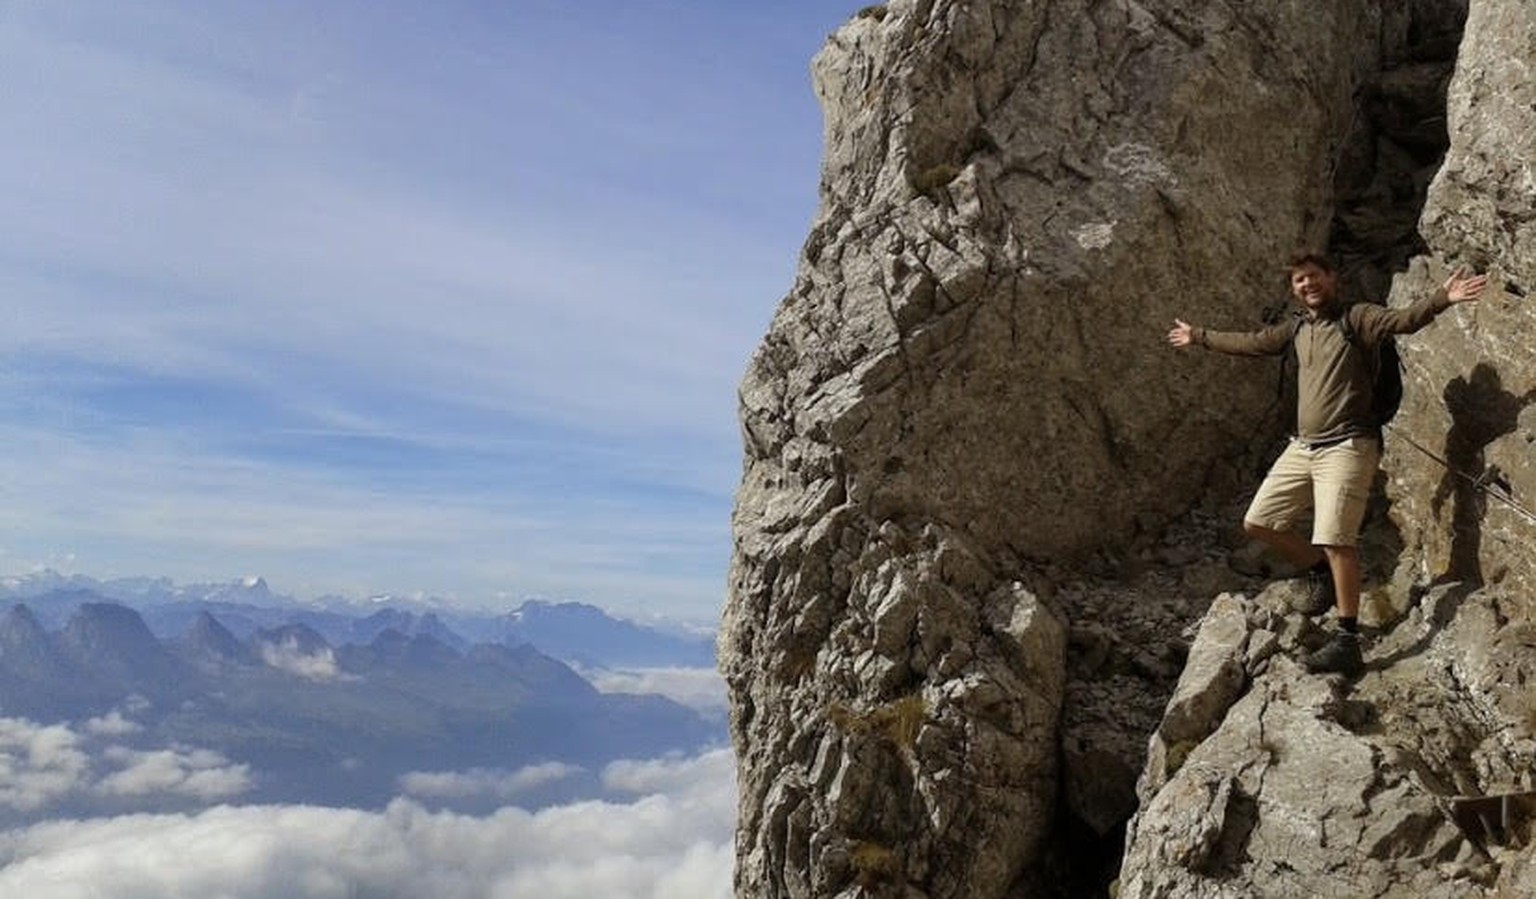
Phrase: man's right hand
(1182, 334)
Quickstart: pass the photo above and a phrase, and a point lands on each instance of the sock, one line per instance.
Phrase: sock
(1349, 625)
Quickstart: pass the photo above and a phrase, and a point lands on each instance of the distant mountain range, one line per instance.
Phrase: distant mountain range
(575, 632)
(330, 709)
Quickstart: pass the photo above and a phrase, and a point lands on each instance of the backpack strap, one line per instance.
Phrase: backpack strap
(1372, 354)
(1385, 367)
(1297, 320)
(1348, 327)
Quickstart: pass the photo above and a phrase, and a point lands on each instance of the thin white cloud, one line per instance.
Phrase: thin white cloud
(672, 844)
(288, 656)
(267, 233)
(668, 776)
(484, 782)
(39, 765)
(200, 774)
(698, 688)
(157, 495)
(329, 213)
(112, 724)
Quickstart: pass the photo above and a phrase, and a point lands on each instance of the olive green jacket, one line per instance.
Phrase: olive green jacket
(1333, 380)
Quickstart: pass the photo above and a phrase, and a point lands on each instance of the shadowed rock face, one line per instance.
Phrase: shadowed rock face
(965, 444)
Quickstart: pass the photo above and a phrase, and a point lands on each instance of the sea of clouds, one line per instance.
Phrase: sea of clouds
(43, 766)
(671, 838)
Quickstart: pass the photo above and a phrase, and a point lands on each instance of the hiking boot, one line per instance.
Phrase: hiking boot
(1340, 655)
(1320, 596)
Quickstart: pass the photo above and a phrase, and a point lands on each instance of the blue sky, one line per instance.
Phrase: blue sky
(449, 298)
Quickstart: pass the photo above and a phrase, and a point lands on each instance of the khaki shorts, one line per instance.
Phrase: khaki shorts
(1333, 482)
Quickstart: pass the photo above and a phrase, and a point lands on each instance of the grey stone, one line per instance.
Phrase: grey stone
(975, 477)
(1213, 677)
(1281, 800)
(1470, 378)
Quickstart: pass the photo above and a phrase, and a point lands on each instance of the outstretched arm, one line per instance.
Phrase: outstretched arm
(1378, 321)
(1268, 342)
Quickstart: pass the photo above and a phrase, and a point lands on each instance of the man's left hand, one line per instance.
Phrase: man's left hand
(1460, 288)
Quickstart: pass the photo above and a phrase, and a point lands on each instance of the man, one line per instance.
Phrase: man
(1328, 467)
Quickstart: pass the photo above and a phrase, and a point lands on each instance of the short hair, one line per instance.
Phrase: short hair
(1309, 257)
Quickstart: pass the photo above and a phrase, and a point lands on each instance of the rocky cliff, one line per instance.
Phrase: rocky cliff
(984, 508)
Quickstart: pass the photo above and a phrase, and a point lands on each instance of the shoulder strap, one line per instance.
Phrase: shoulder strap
(1297, 320)
(1348, 327)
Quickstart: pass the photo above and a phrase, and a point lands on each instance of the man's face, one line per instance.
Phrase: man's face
(1312, 286)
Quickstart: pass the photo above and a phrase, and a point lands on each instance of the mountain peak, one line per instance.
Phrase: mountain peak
(112, 642)
(417, 648)
(586, 634)
(25, 649)
(212, 641)
(108, 620)
(19, 623)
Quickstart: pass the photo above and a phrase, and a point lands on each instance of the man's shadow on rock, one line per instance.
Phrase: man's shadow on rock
(1482, 411)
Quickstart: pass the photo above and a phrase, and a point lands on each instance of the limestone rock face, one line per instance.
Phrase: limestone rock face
(1462, 456)
(1303, 785)
(1392, 786)
(979, 494)
(966, 398)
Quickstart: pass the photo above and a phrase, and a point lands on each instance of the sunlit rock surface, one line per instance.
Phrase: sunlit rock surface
(983, 505)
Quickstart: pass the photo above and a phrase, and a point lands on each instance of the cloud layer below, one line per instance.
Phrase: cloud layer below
(46, 766)
(672, 842)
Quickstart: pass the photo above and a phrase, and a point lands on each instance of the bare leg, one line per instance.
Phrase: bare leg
(1344, 561)
(1292, 546)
